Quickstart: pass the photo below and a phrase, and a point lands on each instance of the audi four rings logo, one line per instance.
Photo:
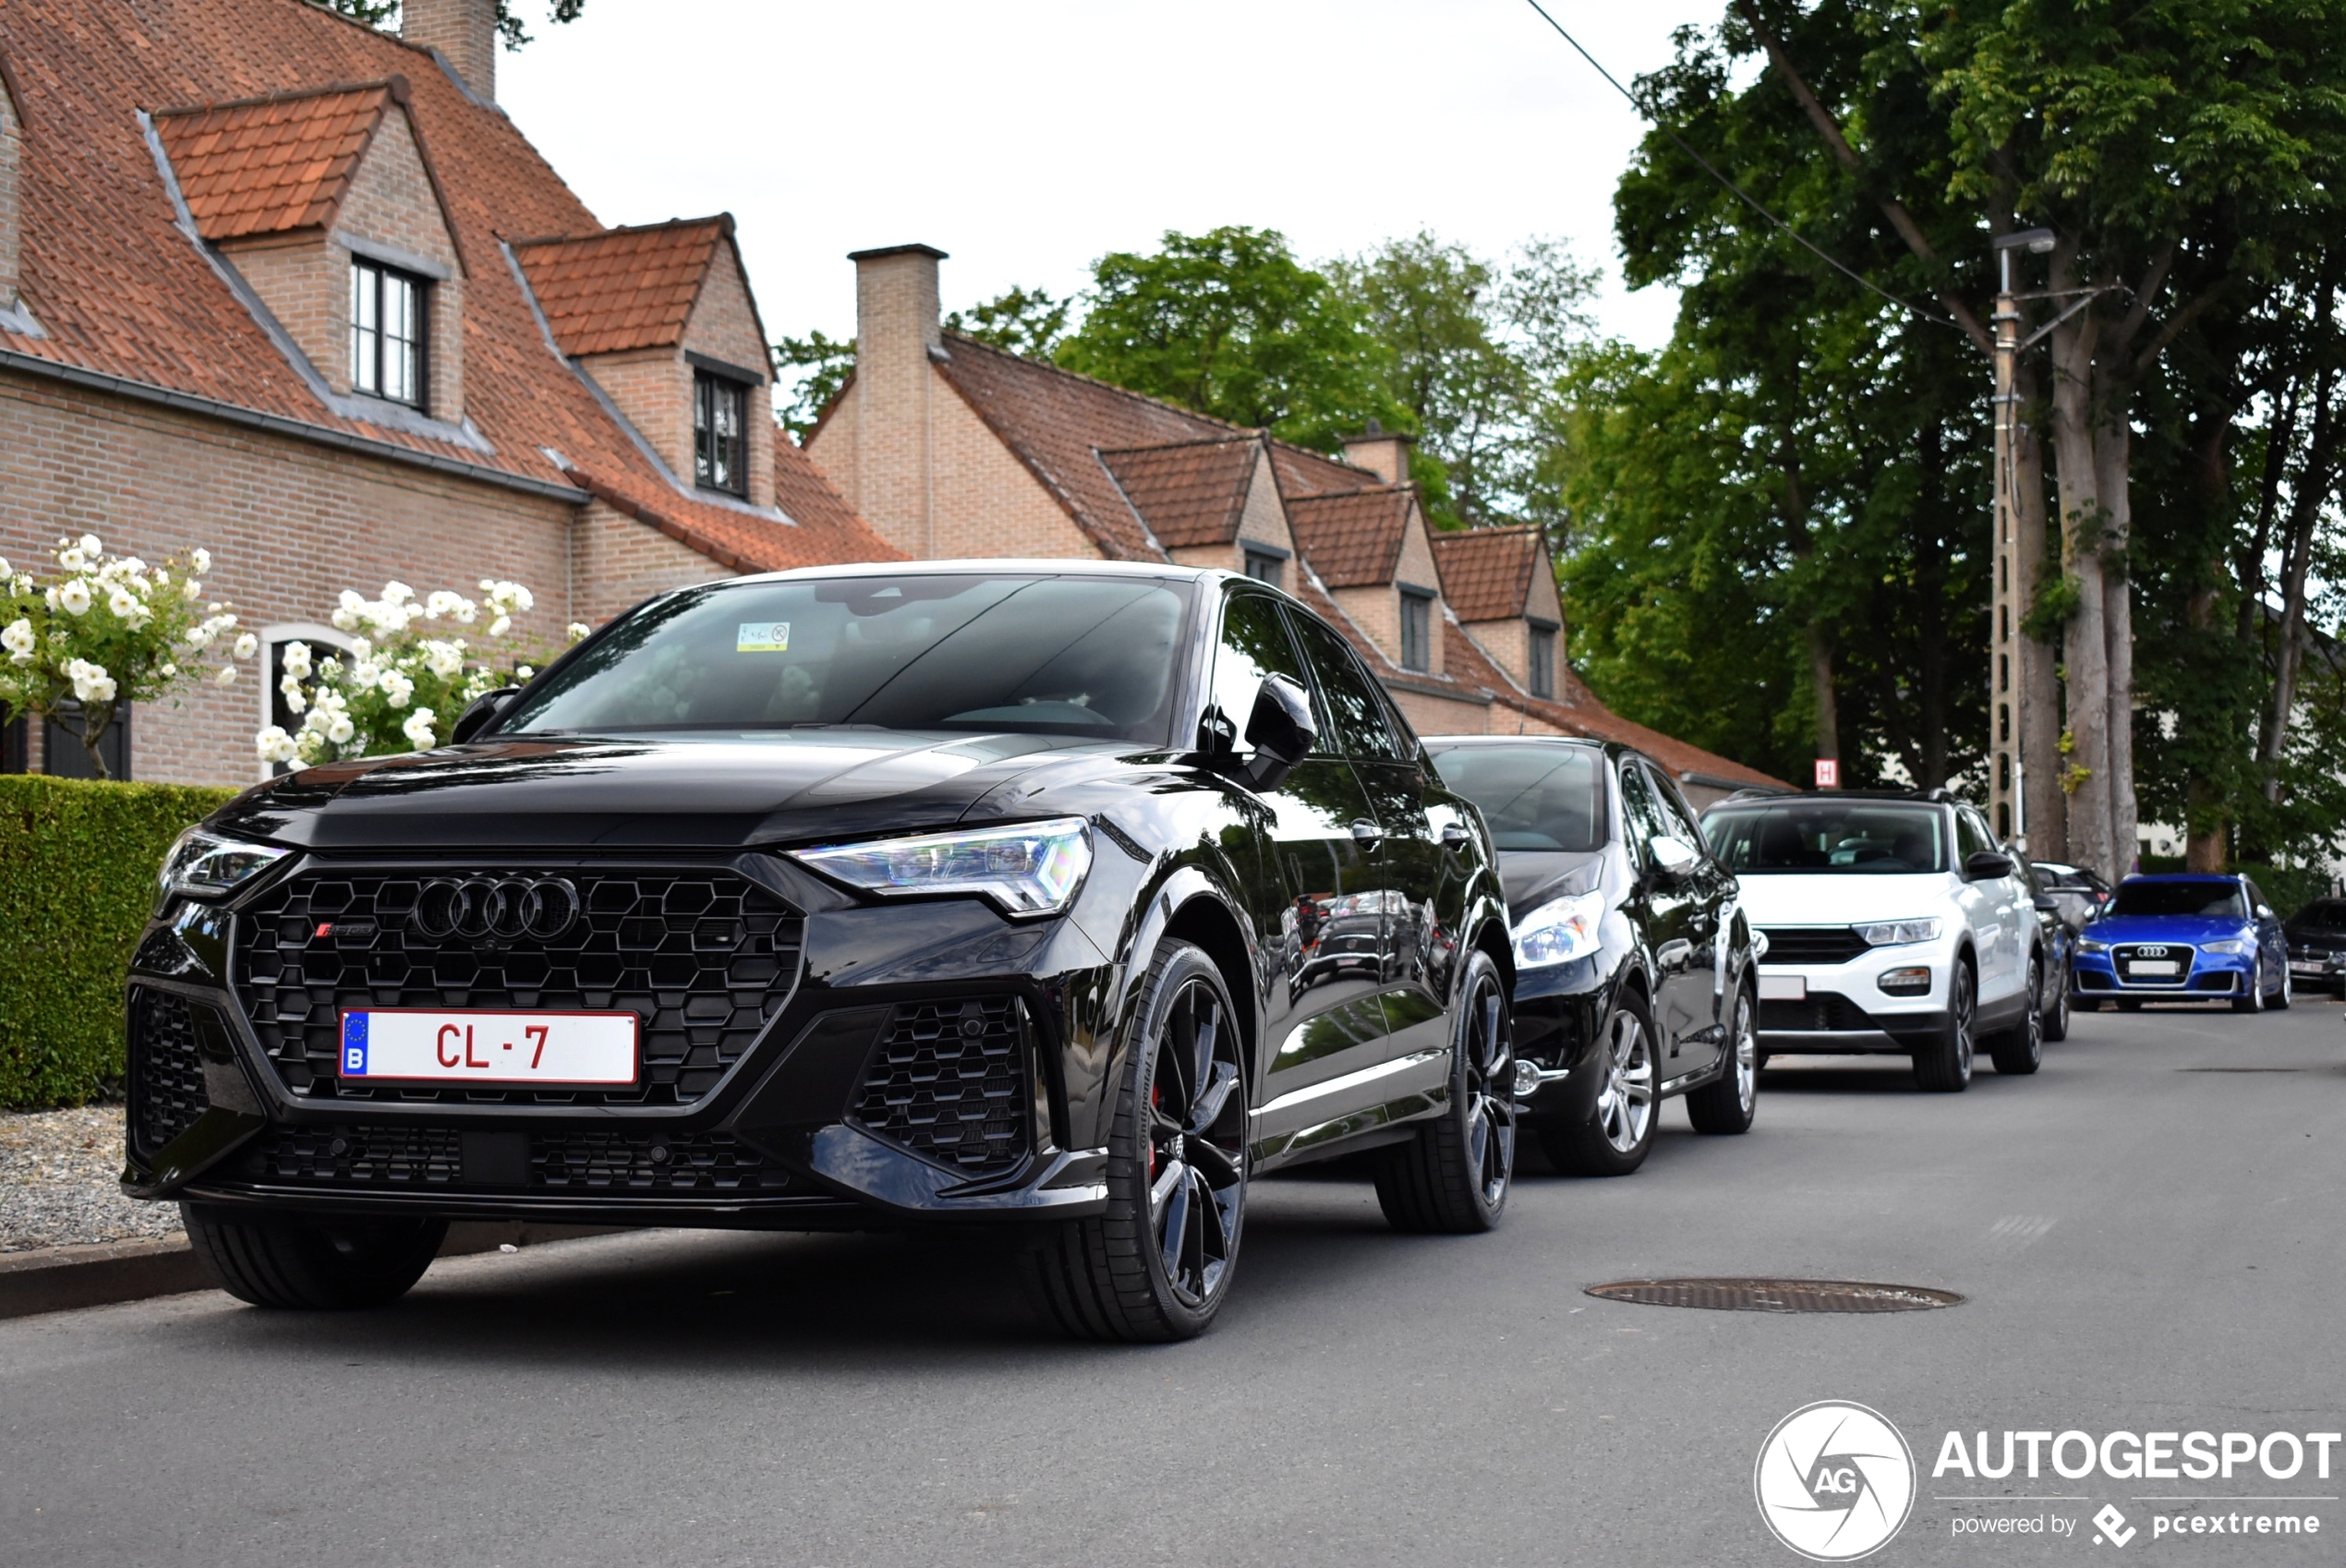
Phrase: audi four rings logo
(478, 908)
(2150, 951)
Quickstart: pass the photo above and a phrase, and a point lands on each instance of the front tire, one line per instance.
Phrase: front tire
(1726, 1105)
(1453, 1177)
(1618, 1134)
(2287, 994)
(1157, 1264)
(2020, 1050)
(2057, 1020)
(329, 1264)
(1943, 1066)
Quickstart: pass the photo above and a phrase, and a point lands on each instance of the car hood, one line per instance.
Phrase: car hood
(707, 792)
(1840, 897)
(1531, 877)
(2167, 928)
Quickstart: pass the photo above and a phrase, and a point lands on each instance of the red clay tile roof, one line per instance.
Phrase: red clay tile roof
(1306, 473)
(270, 165)
(1058, 422)
(121, 292)
(619, 289)
(1353, 538)
(1191, 492)
(827, 533)
(1487, 572)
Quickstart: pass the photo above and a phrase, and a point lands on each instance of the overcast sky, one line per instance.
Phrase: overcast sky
(1028, 137)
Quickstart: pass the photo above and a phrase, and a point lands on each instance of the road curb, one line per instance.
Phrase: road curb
(58, 1279)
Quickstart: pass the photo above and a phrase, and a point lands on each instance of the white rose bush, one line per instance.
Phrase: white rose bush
(104, 630)
(413, 666)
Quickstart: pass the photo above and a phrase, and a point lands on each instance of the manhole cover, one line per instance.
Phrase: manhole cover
(1777, 1295)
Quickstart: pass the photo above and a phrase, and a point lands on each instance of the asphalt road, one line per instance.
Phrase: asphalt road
(2146, 1233)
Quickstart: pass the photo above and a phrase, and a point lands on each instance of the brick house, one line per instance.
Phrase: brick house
(279, 285)
(948, 448)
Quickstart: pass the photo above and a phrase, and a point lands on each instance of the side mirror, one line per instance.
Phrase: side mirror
(1986, 866)
(2264, 911)
(1673, 857)
(481, 712)
(1281, 731)
(2049, 904)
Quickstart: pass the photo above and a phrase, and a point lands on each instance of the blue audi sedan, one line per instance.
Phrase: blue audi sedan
(2188, 938)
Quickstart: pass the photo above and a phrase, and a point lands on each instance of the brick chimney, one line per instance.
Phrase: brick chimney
(465, 32)
(1383, 453)
(11, 183)
(896, 326)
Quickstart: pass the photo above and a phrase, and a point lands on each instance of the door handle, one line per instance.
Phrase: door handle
(1366, 832)
(1454, 836)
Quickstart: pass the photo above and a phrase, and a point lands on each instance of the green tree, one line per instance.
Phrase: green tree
(816, 368)
(1025, 322)
(1230, 324)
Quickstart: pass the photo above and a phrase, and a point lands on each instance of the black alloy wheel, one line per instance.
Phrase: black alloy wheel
(1618, 1133)
(1943, 1066)
(1453, 1176)
(2057, 1016)
(317, 1265)
(2020, 1050)
(1157, 1265)
(1726, 1105)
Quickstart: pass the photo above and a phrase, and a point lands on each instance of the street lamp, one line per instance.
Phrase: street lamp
(2007, 760)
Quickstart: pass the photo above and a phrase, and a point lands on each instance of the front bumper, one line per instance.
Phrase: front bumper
(837, 1110)
(2203, 976)
(1842, 1009)
(1559, 1012)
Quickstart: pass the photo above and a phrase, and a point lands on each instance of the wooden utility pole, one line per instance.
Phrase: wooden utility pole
(2012, 653)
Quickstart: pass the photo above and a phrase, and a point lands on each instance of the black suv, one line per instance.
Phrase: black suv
(1072, 896)
(1634, 964)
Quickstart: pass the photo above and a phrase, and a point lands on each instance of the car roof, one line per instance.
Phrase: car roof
(2185, 877)
(992, 565)
(1581, 741)
(1810, 796)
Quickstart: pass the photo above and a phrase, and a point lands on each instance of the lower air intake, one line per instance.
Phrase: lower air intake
(949, 1082)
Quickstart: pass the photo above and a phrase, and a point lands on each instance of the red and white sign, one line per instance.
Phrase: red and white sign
(1828, 773)
(412, 1043)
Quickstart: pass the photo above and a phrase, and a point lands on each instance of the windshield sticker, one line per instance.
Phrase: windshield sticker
(763, 636)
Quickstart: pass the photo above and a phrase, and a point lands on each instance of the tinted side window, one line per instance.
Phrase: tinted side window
(1254, 644)
(1641, 818)
(1675, 812)
(1353, 721)
(1971, 835)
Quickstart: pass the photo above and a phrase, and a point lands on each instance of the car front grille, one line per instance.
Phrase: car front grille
(949, 1082)
(2123, 959)
(167, 1089)
(703, 957)
(1820, 1012)
(581, 1162)
(1811, 944)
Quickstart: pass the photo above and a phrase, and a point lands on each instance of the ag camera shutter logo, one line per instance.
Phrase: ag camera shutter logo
(1836, 1481)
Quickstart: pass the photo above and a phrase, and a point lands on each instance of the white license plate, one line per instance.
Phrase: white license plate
(2154, 966)
(1784, 988)
(430, 1045)
(2307, 968)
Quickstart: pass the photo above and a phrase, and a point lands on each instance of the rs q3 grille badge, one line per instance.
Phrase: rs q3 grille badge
(495, 907)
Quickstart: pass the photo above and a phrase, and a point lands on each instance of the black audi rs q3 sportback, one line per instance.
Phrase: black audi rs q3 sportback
(1072, 896)
(1635, 964)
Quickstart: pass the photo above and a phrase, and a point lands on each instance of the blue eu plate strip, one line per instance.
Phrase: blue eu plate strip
(354, 1044)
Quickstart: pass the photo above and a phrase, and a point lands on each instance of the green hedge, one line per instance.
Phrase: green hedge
(77, 862)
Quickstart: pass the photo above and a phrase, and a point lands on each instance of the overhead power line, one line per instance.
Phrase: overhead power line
(1744, 196)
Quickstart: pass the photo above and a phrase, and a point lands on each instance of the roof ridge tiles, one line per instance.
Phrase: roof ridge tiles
(1243, 435)
(395, 85)
(1094, 381)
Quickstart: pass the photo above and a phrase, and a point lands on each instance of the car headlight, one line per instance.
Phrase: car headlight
(205, 866)
(1897, 933)
(1031, 868)
(2087, 945)
(1559, 930)
(2226, 946)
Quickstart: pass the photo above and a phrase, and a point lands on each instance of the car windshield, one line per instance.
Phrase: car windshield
(1534, 797)
(2223, 899)
(1874, 838)
(1089, 657)
(2322, 914)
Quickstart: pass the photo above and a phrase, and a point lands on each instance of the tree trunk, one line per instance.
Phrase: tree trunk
(2044, 805)
(1821, 675)
(2085, 768)
(92, 734)
(2113, 453)
(2312, 492)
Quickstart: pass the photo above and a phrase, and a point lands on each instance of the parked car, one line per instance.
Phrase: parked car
(1894, 923)
(2316, 936)
(2060, 943)
(2186, 937)
(1633, 960)
(844, 897)
(2082, 894)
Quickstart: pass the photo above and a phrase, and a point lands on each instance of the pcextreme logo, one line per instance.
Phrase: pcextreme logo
(1834, 1481)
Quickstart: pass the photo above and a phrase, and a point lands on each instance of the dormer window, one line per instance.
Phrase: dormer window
(1416, 629)
(721, 418)
(1543, 660)
(387, 332)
